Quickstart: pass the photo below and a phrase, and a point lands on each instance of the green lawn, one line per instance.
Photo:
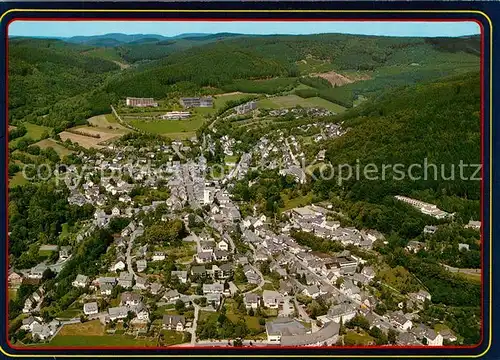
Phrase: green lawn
(290, 101)
(110, 118)
(353, 338)
(58, 148)
(231, 159)
(172, 337)
(104, 340)
(168, 127)
(70, 313)
(33, 131)
(297, 202)
(17, 179)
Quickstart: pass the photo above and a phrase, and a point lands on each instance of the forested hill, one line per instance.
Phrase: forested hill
(385, 59)
(81, 80)
(437, 120)
(44, 73)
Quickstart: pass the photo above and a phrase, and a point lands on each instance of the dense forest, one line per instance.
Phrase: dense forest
(438, 121)
(80, 78)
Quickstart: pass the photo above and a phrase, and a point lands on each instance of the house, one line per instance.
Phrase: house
(251, 275)
(213, 289)
(433, 338)
(181, 275)
(207, 246)
(415, 246)
(223, 245)
(474, 225)
(130, 299)
(423, 295)
(106, 289)
(15, 280)
(400, 321)
(80, 281)
(117, 313)
(37, 271)
(64, 252)
(448, 335)
(118, 266)
(29, 322)
(198, 271)
(156, 288)
(272, 299)
(224, 271)
(126, 279)
(430, 229)
(106, 280)
(142, 313)
(368, 272)
(214, 300)
(344, 311)
(284, 327)
(174, 322)
(141, 265)
(158, 256)
(251, 300)
(311, 291)
(462, 246)
(203, 257)
(171, 295)
(90, 308)
(221, 255)
(141, 283)
(349, 289)
(406, 338)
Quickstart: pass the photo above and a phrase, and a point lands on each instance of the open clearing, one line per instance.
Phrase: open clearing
(59, 149)
(17, 179)
(168, 127)
(337, 79)
(106, 121)
(34, 132)
(89, 328)
(90, 141)
(290, 101)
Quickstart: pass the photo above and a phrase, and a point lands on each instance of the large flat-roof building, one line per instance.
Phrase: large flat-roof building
(190, 102)
(140, 102)
(176, 115)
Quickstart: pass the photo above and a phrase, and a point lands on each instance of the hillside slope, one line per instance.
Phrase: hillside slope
(438, 121)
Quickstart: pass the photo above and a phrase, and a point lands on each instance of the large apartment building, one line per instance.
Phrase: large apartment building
(190, 102)
(140, 102)
(247, 107)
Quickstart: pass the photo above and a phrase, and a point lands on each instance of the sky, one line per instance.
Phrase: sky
(172, 28)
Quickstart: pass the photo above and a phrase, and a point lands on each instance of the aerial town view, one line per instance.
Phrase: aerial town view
(232, 185)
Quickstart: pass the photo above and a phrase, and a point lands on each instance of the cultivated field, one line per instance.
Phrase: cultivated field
(59, 149)
(106, 121)
(90, 141)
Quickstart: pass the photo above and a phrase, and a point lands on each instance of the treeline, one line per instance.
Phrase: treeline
(270, 86)
(36, 214)
(445, 287)
(316, 243)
